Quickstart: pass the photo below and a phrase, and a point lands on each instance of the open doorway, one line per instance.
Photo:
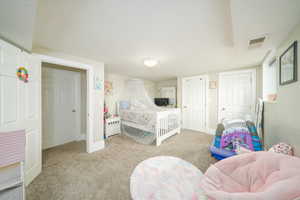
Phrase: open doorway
(64, 105)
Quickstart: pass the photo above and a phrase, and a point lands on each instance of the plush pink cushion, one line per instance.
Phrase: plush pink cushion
(257, 175)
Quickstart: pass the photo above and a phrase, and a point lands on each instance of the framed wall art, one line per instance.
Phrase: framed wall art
(288, 65)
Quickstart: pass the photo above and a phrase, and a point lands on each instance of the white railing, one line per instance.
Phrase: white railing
(167, 124)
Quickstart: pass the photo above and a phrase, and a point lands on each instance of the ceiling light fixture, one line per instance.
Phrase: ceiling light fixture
(150, 62)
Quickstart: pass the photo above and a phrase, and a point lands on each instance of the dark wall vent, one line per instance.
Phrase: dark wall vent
(257, 42)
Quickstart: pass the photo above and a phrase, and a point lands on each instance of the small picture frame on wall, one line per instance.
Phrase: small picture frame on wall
(97, 82)
(108, 88)
(288, 65)
(212, 84)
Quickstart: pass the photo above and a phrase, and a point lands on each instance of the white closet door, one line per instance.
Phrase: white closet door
(20, 103)
(194, 98)
(237, 94)
(61, 106)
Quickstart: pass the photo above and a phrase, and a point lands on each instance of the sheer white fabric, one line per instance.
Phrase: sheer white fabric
(137, 96)
(140, 111)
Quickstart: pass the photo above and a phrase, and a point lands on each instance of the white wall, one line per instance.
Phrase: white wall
(118, 83)
(17, 21)
(165, 83)
(150, 88)
(281, 119)
(213, 94)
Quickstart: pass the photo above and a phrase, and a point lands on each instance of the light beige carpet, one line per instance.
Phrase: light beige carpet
(71, 174)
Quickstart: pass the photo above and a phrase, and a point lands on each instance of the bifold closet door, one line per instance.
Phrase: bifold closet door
(194, 96)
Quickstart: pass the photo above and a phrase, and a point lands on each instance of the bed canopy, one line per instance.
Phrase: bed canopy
(135, 97)
(142, 120)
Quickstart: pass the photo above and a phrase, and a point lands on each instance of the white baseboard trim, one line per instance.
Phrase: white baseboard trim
(32, 173)
(96, 146)
(210, 131)
(81, 137)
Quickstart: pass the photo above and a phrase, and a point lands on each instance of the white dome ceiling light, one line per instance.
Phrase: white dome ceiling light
(150, 62)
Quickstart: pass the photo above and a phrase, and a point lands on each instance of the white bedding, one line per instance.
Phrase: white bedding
(144, 118)
(139, 116)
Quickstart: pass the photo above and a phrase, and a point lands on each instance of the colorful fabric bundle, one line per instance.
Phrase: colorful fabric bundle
(282, 148)
(236, 134)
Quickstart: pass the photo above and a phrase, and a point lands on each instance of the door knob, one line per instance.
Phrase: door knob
(73, 110)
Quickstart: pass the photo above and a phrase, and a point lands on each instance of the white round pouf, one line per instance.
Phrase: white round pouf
(164, 178)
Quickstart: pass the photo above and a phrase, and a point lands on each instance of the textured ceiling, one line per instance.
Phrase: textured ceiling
(17, 20)
(187, 37)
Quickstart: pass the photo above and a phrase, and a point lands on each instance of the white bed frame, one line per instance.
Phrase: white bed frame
(163, 129)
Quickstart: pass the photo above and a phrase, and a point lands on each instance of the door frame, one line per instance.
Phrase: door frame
(206, 77)
(253, 79)
(89, 101)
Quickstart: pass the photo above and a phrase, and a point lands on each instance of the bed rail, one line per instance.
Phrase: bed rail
(167, 124)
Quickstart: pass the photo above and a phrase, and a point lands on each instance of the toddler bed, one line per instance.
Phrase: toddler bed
(147, 126)
(142, 120)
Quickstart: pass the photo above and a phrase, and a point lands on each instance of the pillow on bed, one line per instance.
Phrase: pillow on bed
(124, 105)
(135, 104)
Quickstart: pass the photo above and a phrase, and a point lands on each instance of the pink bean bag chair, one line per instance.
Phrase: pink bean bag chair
(253, 176)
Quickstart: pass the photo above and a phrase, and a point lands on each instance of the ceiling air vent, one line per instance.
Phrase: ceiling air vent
(257, 42)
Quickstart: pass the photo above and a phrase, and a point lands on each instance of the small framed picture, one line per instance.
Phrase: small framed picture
(212, 84)
(97, 82)
(288, 65)
(108, 88)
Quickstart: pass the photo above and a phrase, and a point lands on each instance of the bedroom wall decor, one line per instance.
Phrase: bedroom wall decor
(108, 88)
(97, 82)
(22, 74)
(288, 65)
(212, 84)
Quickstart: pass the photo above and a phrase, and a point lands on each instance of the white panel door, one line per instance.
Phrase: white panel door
(194, 101)
(10, 118)
(237, 94)
(20, 103)
(61, 106)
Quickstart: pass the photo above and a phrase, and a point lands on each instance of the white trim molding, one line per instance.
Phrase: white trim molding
(96, 146)
(211, 131)
(81, 137)
(91, 145)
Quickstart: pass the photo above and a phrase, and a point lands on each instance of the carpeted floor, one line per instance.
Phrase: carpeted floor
(71, 174)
